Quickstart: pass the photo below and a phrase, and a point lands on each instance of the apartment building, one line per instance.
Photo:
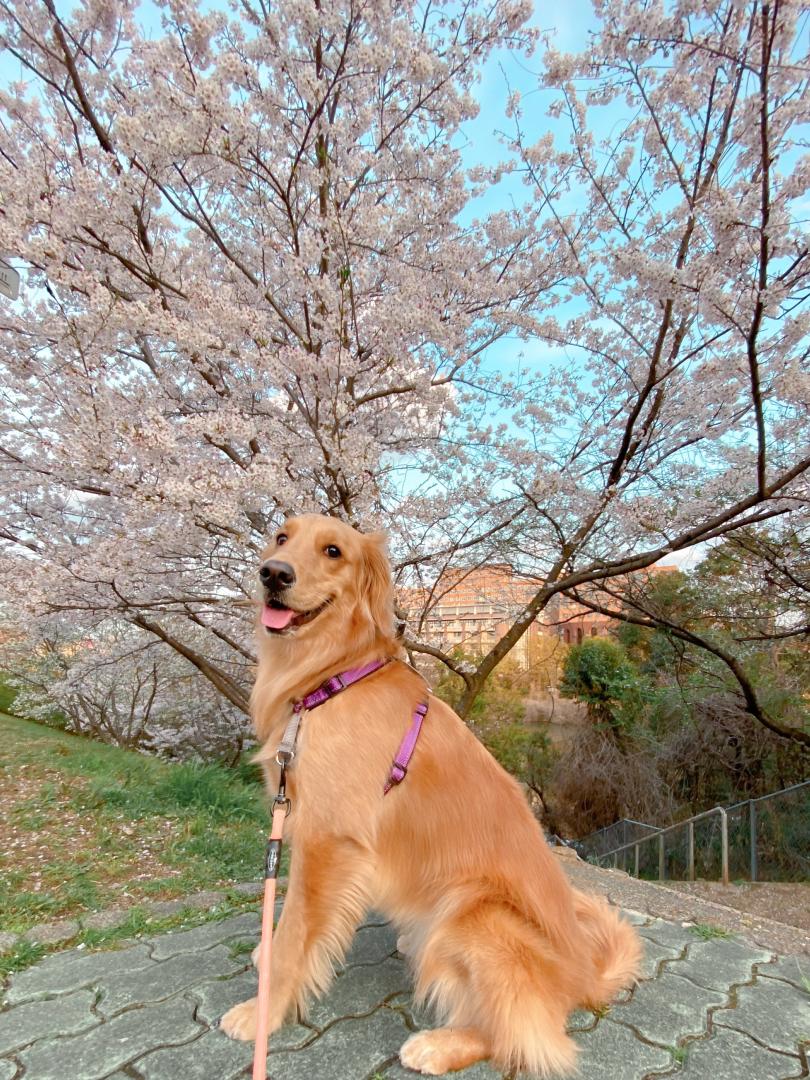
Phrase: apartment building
(471, 609)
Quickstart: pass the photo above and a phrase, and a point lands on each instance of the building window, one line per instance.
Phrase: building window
(594, 631)
(579, 635)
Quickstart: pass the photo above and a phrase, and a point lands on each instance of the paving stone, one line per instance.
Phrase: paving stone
(635, 918)
(249, 888)
(213, 1055)
(359, 990)
(162, 909)
(205, 936)
(581, 1020)
(420, 1016)
(666, 933)
(44, 1019)
(668, 1008)
(349, 1050)
(54, 933)
(720, 963)
(291, 1037)
(218, 995)
(612, 1052)
(653, 955)
(772, 1012)
(480, 1071)
(105, 920)
(196, 965)
(376, 918)
(792, 969)
(731, 1056)
(160, 981)
(371, 945)
(105, 1048)
(205, 899)
(62, 972)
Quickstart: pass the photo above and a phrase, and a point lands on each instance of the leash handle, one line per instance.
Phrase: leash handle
(280, 810)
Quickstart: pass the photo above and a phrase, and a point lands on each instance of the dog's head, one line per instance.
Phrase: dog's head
(321, 576)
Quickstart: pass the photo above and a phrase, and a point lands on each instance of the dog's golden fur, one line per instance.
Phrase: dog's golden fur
(499, 942)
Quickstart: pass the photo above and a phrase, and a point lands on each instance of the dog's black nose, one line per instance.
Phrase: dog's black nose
(276, 575)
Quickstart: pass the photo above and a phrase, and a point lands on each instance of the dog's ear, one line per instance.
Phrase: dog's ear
(376, 586)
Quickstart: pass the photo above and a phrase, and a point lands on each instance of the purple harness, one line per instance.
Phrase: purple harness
(331, 688)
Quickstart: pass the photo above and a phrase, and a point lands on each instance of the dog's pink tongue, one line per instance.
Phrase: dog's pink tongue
(276, 618)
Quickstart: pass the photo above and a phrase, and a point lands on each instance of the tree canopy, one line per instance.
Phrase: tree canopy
(255, 284)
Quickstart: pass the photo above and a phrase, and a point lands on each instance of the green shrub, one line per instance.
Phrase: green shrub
(600, 675)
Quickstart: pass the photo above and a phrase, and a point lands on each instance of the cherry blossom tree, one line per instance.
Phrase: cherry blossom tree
(248, 292)
(256, 286)
(121, 685)
(678, 411)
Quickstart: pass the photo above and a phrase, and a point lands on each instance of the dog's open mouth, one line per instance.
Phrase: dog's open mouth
(276, 618)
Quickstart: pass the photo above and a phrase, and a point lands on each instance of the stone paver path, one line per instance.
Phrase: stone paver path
(715, 1009)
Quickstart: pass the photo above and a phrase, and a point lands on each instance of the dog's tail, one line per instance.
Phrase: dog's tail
(614, 945)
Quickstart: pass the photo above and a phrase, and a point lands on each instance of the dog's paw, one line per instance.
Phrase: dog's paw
(240, 1021)
(254, 957)
(443, 1050)
(421, 1053)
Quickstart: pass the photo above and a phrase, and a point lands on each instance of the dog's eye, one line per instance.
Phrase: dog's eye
(332, 551)
(281, 539)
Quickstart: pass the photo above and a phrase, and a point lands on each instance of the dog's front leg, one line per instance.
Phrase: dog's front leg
(327, 896)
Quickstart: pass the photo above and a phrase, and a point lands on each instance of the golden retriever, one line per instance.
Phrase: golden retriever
(499, 942)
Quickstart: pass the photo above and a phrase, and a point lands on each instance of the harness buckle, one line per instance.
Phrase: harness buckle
(328, 686)
(398, 773)
(284, 757)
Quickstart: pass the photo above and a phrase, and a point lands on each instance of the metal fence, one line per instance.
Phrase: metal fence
(764, 839)
(613, 836)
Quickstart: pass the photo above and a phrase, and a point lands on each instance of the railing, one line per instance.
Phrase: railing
(659, 837)
(786, 844)
(612, 836)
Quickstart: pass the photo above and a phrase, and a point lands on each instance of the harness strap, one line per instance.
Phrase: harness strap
(399, 768)
(328, 689)
(286, 748)
(337, 683)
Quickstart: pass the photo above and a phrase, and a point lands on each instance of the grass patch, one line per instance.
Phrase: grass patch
(21, 956)
(707, 932)
(678, 1054)
(139, 922)
(241, 948)
(93, 826)
(210, 789)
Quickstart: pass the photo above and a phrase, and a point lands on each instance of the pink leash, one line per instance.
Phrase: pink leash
(281, 807)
